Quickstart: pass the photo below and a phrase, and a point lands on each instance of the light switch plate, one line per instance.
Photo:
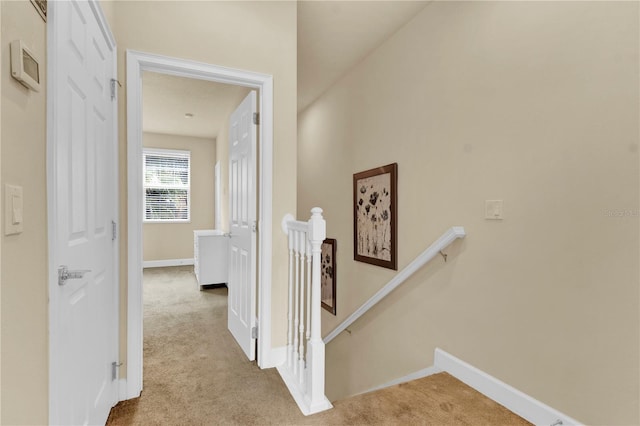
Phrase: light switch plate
(493, 209)
(13, 209)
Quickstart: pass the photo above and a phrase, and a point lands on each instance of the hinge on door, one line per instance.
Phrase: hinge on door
(114, 370)
(114, 231)
(254, 227)
(254, 332)
(256, 118)
(113, 87)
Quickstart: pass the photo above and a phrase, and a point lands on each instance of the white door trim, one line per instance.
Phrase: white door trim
(137, 62)
(52, 92)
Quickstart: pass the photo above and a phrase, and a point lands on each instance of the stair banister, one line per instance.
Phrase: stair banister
(433, 250)
(303, 370)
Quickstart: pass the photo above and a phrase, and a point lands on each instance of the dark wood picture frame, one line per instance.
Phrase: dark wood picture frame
(375, 216)
(328, 275)
(41, 7)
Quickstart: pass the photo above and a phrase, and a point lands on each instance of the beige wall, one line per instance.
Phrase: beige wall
(222, 156)
(535, 104)
(254, 36)
(108, 8)
(164, 241)
(24, 321)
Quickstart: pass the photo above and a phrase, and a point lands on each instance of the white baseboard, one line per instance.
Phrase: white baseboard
(409, 377)
(167, 262)
(520, 403)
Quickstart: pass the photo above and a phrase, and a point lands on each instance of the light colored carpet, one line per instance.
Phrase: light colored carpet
(196, 374)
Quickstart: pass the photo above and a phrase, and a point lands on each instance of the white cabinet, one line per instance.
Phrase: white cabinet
(210, 256)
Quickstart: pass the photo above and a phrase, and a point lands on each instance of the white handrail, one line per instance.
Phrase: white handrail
(447, 238)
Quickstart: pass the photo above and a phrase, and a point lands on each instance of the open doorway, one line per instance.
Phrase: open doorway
(188, 127)
(137, 63)
(185, 125)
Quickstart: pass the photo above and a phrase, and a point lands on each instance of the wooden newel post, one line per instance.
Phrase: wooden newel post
(317, 232)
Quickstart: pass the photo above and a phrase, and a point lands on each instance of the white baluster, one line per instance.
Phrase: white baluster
(303, 246)
(315, 352)
(296, 302)
(309, 257)
(290, 310)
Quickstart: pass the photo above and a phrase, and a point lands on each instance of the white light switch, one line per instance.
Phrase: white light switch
(13, 211)
(493, 209)
(17, 212)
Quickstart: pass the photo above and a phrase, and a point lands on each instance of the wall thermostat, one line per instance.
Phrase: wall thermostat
(24, 66)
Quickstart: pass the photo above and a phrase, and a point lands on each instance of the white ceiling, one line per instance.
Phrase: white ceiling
(333, 36)
(166, 99)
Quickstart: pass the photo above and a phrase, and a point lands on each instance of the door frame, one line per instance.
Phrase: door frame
(55, 351)
(137, 62)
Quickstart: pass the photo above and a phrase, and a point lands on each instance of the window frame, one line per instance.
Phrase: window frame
(171, 153)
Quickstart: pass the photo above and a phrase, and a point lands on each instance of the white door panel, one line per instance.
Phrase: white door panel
(84, 339)
(242, 206)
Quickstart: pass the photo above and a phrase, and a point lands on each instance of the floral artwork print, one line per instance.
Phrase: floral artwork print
(328, 275)
(374, 216)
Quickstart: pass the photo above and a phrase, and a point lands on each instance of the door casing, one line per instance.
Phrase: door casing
(137, 62)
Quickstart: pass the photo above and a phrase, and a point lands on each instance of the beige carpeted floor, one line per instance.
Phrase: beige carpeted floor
(196, 374)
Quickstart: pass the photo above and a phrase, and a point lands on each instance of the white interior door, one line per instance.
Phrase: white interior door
(84, 306)
(242, 218)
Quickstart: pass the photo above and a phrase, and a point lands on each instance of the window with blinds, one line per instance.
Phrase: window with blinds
(167, 184)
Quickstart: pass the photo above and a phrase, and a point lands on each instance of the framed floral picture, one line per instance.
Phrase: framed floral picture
(375, 216)
(328, 275)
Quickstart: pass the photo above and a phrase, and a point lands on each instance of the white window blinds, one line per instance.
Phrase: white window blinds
(167, 184)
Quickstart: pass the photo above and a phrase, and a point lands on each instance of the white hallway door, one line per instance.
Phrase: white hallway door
(83, 301)
(243, 228)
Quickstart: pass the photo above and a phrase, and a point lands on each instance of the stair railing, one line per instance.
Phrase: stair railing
(433, 250)
(303, 372)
